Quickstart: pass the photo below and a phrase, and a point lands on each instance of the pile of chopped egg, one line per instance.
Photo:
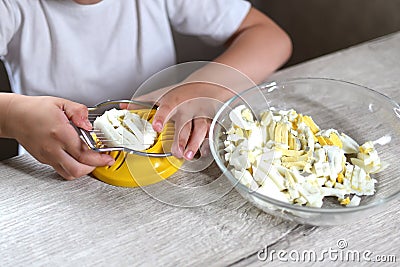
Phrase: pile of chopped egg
(286, 156)
(124, 128)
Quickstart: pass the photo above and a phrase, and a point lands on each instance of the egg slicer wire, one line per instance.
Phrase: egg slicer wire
(96, 140)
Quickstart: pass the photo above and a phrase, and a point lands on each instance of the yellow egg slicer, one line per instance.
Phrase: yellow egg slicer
(133, 170)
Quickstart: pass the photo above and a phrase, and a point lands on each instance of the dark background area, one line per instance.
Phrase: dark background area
(8, 147)
(317, 27)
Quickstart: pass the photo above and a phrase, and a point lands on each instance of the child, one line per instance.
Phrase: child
(91, 50)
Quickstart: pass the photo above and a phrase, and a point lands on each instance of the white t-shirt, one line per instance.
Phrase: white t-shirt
(91, 53)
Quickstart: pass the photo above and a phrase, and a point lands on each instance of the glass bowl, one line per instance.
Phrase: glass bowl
(360, 112)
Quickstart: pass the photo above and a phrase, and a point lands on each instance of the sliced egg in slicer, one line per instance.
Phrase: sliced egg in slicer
(133, 167)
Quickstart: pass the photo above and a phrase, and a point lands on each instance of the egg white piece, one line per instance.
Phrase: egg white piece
(123, 128)
(349, 145)
(237, 118)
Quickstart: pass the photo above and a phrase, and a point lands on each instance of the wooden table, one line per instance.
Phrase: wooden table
(46, 221)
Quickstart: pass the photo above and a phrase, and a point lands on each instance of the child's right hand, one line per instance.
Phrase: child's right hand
(42, 126)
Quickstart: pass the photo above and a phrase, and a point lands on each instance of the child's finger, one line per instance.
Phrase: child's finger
(65, 165)
(199, 132)
(72, 168)
(77, 113)
(181, 138)
(161, 117)
(80, 152)
(60, 170)
(91, 158)
(123, 106)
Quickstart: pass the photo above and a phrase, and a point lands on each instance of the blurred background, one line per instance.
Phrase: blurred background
(317, 27)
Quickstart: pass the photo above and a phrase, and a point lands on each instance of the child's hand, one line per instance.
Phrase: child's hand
(191, 106)
(193, 103)
(42, 126)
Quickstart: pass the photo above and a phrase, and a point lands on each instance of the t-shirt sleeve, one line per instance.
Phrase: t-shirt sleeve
(8, 24)
(213, 21)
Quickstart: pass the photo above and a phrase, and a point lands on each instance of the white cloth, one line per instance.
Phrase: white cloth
(91, 53)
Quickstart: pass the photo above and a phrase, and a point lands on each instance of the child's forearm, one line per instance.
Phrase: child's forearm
(5, 104)
(258, 48)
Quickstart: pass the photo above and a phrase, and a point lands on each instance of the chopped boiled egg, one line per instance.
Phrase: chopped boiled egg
(288, 157)
(124, 128)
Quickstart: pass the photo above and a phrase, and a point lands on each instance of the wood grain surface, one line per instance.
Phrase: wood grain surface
(45, 221)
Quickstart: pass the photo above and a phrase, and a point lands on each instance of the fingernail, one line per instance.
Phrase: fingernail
(110, 160)
(189, 154)
(88, 124)
(158, 126)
